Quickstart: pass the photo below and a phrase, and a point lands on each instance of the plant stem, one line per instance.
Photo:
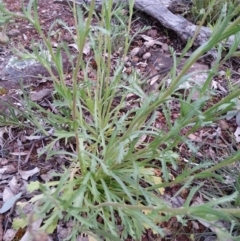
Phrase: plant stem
(169, 210)
(228, 161)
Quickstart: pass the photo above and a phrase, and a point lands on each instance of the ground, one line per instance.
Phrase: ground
(149, 55)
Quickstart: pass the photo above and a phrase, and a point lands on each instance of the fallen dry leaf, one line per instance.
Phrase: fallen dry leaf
(9, 235)
(33, 233)
(86, 49)
(195, 138)
(146, 37)
(7, 193)
(151, 43)
(38, 96)
(10, 203)
(26, 174)
(135, 51)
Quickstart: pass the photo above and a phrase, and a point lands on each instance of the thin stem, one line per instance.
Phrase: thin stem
(228, 161)
(81, 40)
(169, 210)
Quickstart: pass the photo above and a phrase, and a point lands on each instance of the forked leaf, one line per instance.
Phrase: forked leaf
(33, 186)
(52, 226)
(19, 223)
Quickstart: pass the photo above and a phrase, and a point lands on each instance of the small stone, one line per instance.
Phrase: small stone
(25, 37)
(152, 33)
(128, 64)
(146, 55)
(218, 141)
(135, 59)
(231, 129)
(124, 12)
(165, 48)
(135, 51)
(120, 50)
(141, 52)
(221, 73)
(129, 70)
(13, 32)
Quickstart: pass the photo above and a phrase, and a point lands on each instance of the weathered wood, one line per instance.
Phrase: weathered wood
(178, 24)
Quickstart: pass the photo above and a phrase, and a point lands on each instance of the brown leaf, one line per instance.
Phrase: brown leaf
(40, 95)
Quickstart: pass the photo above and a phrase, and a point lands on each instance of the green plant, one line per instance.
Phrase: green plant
(199, 8)
(111, 179)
